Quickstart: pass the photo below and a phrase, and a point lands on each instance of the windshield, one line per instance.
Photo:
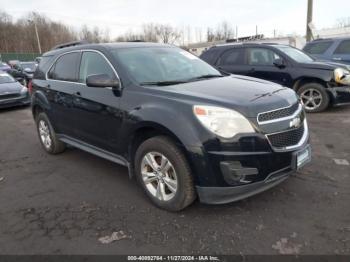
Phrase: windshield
(296, 54)
(6, 78)
(163, 65)
(30, 66)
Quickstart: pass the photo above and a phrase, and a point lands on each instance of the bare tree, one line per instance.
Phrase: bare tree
(343, 22)
(167, 34)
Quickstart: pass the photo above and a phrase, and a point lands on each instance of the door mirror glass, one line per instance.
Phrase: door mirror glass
(279, 62)
(102, 80)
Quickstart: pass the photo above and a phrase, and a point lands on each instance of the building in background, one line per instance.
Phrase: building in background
(332, 32)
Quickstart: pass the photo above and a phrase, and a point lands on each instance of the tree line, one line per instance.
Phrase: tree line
(19, 35)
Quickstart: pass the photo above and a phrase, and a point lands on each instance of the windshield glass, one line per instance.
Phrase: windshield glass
(149, 65)
(296, 54)
(6, 78)
(30, 66)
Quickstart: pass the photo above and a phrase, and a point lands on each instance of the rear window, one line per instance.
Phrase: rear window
(232, 57)
(317, 48)
(66, 68)
(343, 48)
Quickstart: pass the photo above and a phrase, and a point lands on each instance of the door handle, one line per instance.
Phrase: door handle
(77, 93)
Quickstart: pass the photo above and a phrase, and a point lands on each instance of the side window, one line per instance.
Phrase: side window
(232, 57)
(317, 48)
(343, 48)
(93, 63)
(261, 56)
(65, 68)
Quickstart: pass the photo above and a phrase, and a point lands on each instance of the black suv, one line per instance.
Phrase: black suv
(181, 127)
(318, 84)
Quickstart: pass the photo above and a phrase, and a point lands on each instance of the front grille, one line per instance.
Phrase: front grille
(279, 113)
(288, 138)
(8, 96)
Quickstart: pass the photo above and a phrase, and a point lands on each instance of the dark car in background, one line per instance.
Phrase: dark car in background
(12, 93)
(180, 126)
(330, 49)
(319, 84)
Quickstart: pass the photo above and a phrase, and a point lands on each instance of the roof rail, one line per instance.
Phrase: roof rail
(74, 43)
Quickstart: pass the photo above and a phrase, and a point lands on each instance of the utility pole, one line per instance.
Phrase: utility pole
(256, 30)
(37, 35)
(309, 20)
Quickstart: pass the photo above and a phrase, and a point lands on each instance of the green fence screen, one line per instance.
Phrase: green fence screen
(18, 56)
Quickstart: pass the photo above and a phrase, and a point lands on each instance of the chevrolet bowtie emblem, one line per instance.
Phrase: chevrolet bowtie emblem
(295, 122)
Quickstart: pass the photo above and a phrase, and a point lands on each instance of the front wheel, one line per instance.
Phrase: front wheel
(314, 97)
(164, 173)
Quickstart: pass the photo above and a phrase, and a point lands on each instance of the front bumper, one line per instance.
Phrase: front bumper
(17, 101)
(340, 95)
(229, 172)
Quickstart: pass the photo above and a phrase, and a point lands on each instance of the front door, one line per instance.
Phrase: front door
(97, 108)
(261, 65)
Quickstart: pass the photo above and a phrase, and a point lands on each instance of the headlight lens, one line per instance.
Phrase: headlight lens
(342, 76)
(223, 122)
(24, 90)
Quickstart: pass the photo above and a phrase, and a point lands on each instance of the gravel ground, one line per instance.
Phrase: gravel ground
(63, 204)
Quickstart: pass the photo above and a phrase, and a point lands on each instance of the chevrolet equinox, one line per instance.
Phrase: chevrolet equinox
(182, 128)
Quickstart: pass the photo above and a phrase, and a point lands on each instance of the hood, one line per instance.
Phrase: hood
(247, 95)
(325, 65)
(10, 88)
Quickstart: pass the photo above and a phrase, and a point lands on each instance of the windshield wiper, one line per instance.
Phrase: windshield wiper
(162, 83)
(204, 77)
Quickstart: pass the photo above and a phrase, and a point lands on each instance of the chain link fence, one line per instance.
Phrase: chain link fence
(5, 57)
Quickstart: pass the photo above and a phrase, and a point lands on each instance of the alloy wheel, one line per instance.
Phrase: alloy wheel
(159, 176)
(311, 98)
(45, 135)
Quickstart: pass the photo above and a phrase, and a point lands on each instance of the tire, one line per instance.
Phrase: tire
(161, 182)
(51, 145)
(319, 94)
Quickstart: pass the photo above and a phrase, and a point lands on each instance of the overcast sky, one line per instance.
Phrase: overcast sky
(284, 16)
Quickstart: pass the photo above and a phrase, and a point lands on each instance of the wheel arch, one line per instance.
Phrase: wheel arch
(304, 80)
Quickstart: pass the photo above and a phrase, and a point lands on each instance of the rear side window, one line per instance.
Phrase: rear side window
(232, 57)
(93, 63)
(261, 56)
(317, 48)
(65, 68)
(343, 48)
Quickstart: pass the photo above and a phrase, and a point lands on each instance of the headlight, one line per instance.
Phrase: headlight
(24, 90)
(223, 122)
(342, 76)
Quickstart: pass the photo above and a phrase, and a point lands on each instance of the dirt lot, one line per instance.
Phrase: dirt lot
(63, 204)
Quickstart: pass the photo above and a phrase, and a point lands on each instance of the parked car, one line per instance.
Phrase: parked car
(4, 67)
(330, 49)
(27, 68)
(319, 84)
(12, 93)
(178, 124)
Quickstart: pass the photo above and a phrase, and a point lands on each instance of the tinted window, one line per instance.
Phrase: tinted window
(232, 57)
(343, 48)
(65, 68)
(93, 63)
(261, 56)
(317, 48)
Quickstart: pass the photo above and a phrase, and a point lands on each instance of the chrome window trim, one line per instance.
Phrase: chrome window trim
(300, 107)
(288, 148)
(80, 51)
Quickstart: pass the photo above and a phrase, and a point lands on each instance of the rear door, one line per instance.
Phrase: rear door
(342, 52)
(260, 61)
(63, 83)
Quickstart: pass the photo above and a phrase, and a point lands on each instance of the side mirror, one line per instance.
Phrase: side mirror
(102, 80)
(279, 62)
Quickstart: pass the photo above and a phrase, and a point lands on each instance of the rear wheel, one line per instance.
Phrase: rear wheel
(314, 97)
(47, 135)
(164, 173)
